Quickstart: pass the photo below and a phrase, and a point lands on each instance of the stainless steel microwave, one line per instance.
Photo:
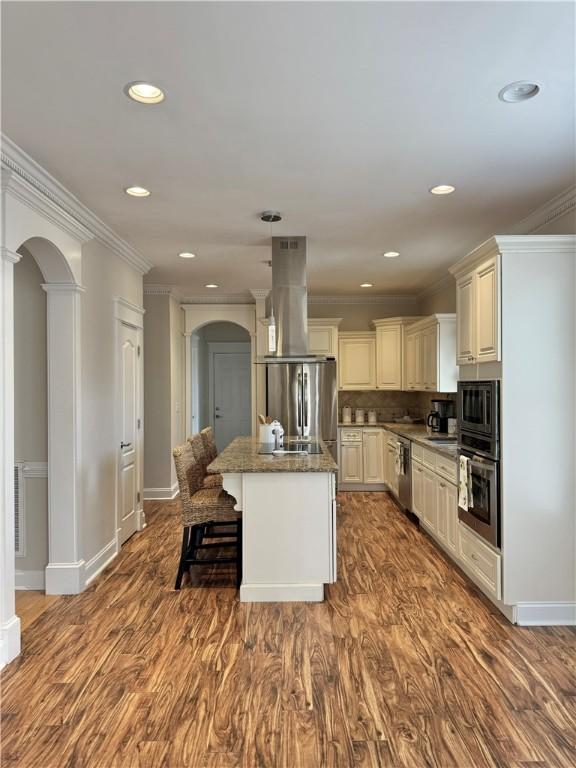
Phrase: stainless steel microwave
(479, 416)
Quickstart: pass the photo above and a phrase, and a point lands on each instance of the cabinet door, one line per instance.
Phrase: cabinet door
(412, 351)
(392, 476)
(465, 319)
(357, 363)
(351, 463)
(389, 357)
(417, 488)
(452, 518)
(373, 460)
(441, 510)
(429, 356)
(488, 311)
(429, 508)
(321, 340)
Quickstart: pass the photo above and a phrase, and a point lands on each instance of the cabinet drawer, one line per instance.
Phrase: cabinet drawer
(447, 468)
(417, 451)
(429, 458)
(391, 439)
(350, 435)
(482, 561)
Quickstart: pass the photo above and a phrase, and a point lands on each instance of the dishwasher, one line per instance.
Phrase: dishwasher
(403, 473)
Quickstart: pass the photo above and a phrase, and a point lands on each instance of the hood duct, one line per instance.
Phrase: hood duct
(290, 296)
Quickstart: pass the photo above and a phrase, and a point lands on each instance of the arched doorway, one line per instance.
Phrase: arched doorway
(221, 380)
(64, 571)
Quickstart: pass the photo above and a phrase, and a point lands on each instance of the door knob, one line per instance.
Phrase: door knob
(125, 445)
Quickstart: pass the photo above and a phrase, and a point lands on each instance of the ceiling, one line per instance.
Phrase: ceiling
(340, 115)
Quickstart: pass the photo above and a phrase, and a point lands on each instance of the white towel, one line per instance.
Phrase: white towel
(463, 484)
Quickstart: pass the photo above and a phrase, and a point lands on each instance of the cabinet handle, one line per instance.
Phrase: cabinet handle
(473, 556)
(442, 485)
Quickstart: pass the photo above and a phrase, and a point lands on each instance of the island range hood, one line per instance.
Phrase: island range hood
(288, 300)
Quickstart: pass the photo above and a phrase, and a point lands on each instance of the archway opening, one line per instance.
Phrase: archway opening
(222, 380)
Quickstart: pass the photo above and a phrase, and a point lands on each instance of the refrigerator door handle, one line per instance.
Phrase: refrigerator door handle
(299, 404)
(305, 403)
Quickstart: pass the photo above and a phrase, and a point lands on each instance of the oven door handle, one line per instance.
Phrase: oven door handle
(469, 483)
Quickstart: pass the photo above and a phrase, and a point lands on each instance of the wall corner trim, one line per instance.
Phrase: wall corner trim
(545, 614)
(96, 564)
(9, 640)
(65, 578)
(129, 313)
(161, 494)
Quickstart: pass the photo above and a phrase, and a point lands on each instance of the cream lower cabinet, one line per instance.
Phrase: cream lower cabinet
(373, 456)
(357, 361)
(435, 498)
(351, 463)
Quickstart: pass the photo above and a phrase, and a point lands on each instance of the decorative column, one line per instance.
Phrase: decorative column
(9, 622)
(65, 569)
(261, 345)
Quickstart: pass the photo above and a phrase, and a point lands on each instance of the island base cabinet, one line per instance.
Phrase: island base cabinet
(288, 536)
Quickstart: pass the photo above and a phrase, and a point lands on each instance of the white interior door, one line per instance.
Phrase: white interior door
(231, 396)
(128, 398)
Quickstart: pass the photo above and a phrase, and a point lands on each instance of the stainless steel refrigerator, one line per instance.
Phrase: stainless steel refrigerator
(303, 396)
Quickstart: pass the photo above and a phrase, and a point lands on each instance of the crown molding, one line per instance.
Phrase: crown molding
(389, 299)
(436, 287)
(156, 289)
(541, 217)
(236, 298)
(24, 178)
(260, 293)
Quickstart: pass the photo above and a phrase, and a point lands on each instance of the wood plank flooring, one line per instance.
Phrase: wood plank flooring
(405, 664)
(30, 604)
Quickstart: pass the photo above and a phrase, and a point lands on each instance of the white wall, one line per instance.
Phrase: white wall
(442, 300)
(104, 277)
(177, 432)
(358, 316)
(31, 405)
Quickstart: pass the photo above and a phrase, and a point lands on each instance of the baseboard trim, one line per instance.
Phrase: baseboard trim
(65, 578)
(9, 640)
(286, 593)
(545, 614)
(30, 580)
(101, 559)
(367, 488)
(161, 494)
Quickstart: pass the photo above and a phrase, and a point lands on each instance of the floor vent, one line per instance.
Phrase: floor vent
(19, 538)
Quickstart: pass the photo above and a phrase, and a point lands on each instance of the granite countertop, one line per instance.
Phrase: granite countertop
(417, 433)
(242, 456)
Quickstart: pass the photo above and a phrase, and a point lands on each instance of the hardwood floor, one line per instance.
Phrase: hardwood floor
(403, 665)
(30, 604)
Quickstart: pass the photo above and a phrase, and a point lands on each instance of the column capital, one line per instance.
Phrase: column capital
(260, 294)
(10, 256)
(63, 288)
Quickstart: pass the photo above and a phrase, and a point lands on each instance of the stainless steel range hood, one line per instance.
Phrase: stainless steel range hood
(290, 296)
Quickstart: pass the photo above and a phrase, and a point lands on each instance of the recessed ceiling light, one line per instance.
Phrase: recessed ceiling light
(443, 189)
(145, 93)
(366, 285)
(187, 255)
(391, 254)
(211, 285)
(137, 191)
(519, 91)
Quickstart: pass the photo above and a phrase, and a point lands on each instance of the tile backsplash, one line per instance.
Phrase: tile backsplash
(391, 405)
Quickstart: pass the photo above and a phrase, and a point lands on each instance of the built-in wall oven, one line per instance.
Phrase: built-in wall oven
(479, 447)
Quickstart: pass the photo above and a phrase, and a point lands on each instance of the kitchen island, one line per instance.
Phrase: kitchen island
(288, 505)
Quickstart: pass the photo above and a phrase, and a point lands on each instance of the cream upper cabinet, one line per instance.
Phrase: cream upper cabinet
(465, 315)
(357, 361)
(390, 351)
(430, 354)
(323, 336)
(373, 455)
(478, 312)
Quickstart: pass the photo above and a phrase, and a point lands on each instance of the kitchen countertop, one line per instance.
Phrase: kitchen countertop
(417, 433)
(242, 456)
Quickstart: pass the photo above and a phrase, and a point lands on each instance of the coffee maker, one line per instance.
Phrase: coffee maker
(442, 410)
